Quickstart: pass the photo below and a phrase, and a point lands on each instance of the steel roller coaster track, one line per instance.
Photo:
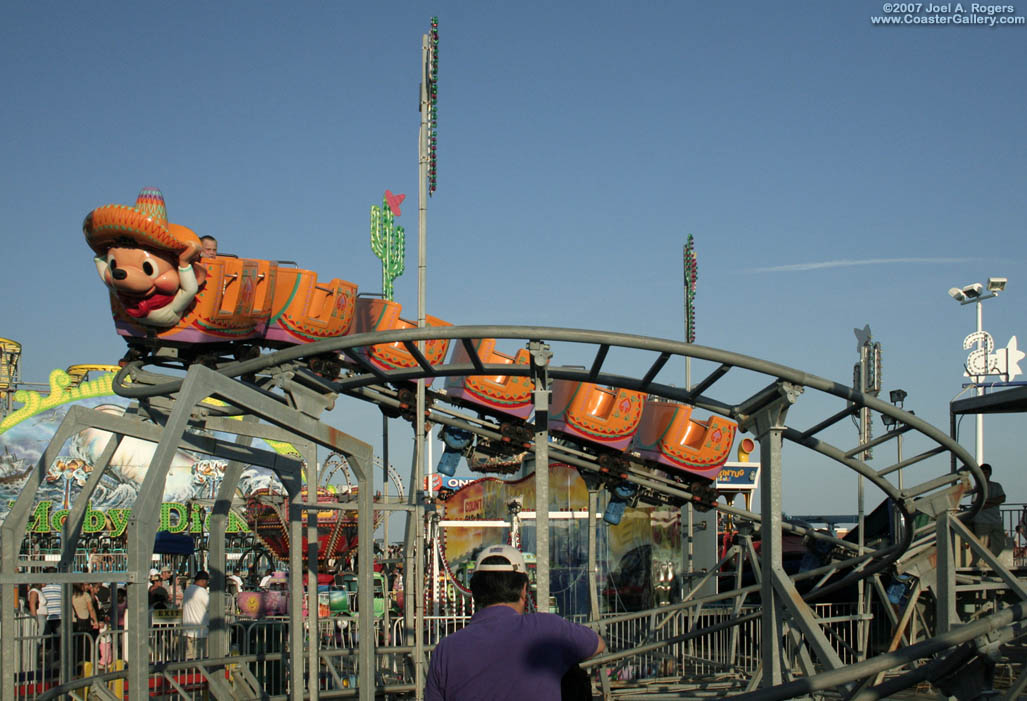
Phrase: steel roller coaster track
(292, 387)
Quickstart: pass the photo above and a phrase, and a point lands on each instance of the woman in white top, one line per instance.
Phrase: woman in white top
(37, 606)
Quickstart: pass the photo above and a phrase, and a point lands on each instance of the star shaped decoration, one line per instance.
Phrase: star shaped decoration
(394, 202)
(1013, 357)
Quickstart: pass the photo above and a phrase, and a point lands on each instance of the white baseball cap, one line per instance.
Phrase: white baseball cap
(514, 560)
(154, 573)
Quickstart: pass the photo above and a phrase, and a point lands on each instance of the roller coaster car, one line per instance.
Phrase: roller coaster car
(496, 394)
(670, 437)
(233, 303)
(383, 315)
(306, 311)
(162, 291)
(605, 416)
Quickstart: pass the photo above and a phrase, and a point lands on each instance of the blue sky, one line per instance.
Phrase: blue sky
(833, 173)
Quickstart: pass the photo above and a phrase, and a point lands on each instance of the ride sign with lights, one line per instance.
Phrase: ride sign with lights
(985, 360)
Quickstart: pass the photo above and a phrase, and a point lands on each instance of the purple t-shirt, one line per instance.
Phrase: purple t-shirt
(502, 654)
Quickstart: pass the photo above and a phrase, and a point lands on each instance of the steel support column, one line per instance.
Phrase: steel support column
(142, 528)
(363, 466)
(313, 547)
(768, 423)
(947, 616)
(540, 356)
(218, 640)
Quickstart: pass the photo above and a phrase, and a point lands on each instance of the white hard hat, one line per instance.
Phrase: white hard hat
(514, 560)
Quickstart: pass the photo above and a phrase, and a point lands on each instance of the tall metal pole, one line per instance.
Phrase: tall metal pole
(980, 390)
(416, 524)
(690, 271)
(540, 357)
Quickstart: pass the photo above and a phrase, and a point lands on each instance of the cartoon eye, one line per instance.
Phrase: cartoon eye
(112, 261)
(148, 268)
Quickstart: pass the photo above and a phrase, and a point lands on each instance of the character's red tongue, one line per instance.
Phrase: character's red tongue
(137, 307)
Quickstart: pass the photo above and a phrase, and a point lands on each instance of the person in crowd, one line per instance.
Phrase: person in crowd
(52, 630)
(265, 582)
(398, 586)
(179, 590)
(85, 622)
(167, 579)
(101, 599)
(987, 525)
(37, 607)
(157, 598)
(156, 583)
(234, 582)
(504, 653)
(195, 616)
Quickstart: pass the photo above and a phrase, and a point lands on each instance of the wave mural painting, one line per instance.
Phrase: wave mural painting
(26, 432)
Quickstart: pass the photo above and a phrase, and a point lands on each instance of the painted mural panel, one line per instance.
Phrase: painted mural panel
(26, 432)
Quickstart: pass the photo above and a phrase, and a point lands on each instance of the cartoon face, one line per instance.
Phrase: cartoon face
(139, 272)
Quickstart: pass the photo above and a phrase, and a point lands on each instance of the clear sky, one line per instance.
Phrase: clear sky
(833, 173)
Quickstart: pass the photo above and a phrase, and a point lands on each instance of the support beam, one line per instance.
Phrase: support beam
(768, 423)
(945, 596)
(540, 357)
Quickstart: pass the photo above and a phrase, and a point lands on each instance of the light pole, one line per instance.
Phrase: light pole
(897, 397)
(974, 294)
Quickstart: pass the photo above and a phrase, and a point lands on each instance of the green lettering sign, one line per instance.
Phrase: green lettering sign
(57, 519)
(119, 520)
(174, 518)
(180, 521)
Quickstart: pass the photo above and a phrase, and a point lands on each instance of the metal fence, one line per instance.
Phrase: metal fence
(263, 646)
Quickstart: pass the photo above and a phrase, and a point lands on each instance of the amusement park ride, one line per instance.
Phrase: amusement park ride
(634, 436)
(277, 346)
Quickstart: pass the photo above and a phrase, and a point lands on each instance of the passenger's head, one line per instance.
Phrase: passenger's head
(986, 469)
(209, 246)
(500, 576)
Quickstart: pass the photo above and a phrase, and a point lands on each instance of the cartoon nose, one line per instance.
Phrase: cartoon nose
(118, 274)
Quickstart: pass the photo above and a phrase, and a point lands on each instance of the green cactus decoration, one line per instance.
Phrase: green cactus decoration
(388, 241)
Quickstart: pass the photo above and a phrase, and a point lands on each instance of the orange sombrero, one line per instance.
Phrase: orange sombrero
(145, 224)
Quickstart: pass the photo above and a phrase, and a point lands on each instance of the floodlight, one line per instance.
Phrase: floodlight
(996, 284)
(956, 294)
(887, 420)
(973, 291)
(897, 396)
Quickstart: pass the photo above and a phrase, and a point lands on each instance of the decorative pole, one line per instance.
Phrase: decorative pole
(426, 182)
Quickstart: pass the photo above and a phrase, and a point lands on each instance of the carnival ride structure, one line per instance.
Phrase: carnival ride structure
(281, 397)
(282, 394)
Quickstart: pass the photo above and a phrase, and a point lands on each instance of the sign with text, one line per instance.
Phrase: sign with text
(739, 476)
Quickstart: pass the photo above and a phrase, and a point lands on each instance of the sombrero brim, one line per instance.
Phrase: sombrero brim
(106, 225)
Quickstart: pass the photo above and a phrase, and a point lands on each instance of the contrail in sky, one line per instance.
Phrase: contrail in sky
(848, 262)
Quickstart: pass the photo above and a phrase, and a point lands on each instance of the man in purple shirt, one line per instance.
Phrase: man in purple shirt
(504, 653)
